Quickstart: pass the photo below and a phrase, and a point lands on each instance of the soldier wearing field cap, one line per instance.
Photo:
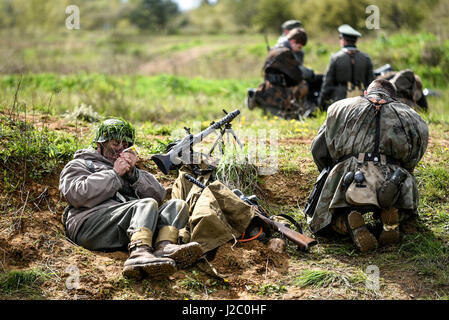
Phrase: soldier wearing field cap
(349, 72)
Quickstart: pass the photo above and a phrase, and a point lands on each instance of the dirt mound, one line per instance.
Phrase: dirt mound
(287, 188)
(249, 263)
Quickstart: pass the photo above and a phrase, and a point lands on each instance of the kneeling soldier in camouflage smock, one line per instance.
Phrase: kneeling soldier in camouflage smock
(370, 146)
(113, 204)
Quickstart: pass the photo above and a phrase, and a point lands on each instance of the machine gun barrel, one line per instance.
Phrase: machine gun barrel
(165, 161)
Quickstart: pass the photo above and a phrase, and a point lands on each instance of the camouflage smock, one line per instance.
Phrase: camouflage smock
(349, 130)
(280, 98)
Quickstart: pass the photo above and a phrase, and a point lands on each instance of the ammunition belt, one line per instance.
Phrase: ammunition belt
(371, 157)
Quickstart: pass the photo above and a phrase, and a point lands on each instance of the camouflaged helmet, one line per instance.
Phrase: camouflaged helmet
(115, 129)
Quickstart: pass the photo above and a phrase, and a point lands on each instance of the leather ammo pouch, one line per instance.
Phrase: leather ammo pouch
(365, 193)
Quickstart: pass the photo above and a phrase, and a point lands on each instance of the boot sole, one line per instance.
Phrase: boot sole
(390, 216)
(156, 270)
(186, 255)
(389, 237)
(364, 240)
(390, 233)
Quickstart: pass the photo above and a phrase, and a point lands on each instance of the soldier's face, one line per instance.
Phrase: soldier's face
(113, 148)
(296, 47)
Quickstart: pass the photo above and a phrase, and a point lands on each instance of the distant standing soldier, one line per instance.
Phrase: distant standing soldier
(349, 72)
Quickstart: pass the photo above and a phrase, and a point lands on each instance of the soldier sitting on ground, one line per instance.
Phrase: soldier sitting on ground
(314, 81)
(283, 85)
(114, 205)
(370, 146)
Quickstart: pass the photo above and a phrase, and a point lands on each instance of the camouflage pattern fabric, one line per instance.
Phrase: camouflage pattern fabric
(281, 97)
(282, 61)
(340, 71)
(281, 101)
(348, 130)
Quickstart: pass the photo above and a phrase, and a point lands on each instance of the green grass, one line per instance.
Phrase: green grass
(22, 282)
(318, 278)
(195, 285)
(160, 99)
(268, 290)
(38, 151)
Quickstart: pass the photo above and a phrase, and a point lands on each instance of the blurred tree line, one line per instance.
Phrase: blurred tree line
(221, 16)
(30, 16)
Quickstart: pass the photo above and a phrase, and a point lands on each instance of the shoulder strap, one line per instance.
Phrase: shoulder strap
(377, 103)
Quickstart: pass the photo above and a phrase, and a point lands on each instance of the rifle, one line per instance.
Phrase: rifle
(165, 161)
(302, 241)
(266, 42)
(312, 201)
(383, 70)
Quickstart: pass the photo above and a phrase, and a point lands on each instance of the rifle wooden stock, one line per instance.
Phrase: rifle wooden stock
(302, 241)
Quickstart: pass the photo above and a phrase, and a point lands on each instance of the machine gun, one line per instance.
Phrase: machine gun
(383, 70)
(302, 241)
(182, 149)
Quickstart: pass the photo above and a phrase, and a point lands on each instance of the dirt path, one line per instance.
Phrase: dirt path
(175, 62)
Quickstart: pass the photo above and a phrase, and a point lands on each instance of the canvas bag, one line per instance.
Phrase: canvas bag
(365, 194)
(219, 216)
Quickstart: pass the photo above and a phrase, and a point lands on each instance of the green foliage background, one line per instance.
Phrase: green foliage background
(38, 16)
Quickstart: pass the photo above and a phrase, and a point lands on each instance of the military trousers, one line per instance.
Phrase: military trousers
(110, 229)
